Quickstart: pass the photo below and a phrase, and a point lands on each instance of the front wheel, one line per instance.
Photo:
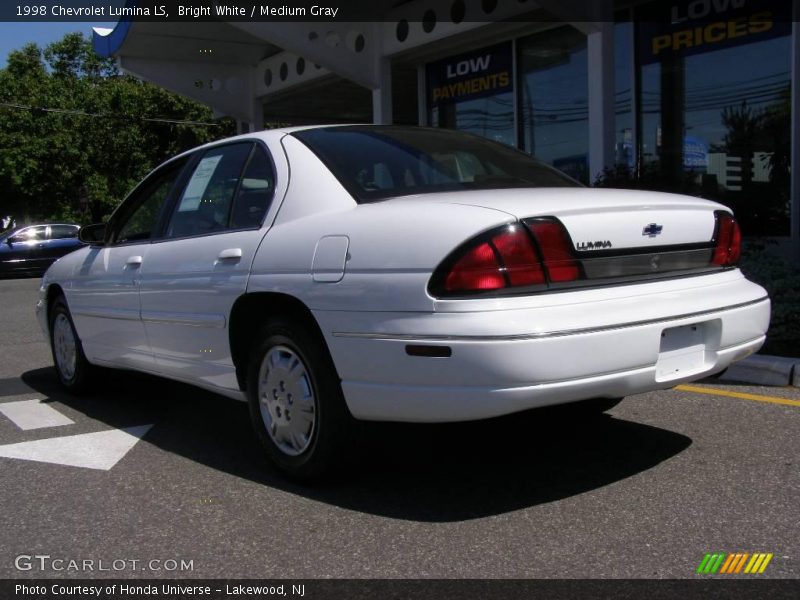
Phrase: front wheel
(296, 401)
(71, 364)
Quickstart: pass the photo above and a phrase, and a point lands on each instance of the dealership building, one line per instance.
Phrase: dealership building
(692, 96)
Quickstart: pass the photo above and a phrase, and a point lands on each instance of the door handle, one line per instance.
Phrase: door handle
(230, 254)
(133, 261)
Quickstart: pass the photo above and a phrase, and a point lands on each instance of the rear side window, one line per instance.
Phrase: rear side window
(376, 162)
(205, 204)
(58, 232)
(255, 192)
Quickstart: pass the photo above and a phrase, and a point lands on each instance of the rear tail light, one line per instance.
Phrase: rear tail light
(728, 246)
(518, 256)
(556, 249)
(509, 259)
(538, 254)
(478, 269)
(501, 259)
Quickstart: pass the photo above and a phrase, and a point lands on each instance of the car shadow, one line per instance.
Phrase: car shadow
(433, 473)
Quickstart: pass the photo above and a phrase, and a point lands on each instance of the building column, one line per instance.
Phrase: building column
(382, 95)
(256, 120)
(600, 50)
(422, 97)
(794, 186)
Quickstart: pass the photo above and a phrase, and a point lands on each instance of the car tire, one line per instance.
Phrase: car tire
(296, 401)
(73, 369)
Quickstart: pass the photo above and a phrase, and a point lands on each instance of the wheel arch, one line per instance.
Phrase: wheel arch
(54, 291)
(251, 311)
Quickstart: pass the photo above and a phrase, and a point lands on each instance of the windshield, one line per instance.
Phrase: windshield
(377, 162)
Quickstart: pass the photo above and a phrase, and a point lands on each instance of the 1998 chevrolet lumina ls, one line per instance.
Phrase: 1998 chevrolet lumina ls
(341, 273)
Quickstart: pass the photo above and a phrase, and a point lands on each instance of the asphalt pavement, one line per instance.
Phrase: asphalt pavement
(150, 478)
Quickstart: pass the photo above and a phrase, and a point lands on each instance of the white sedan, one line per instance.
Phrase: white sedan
(334, 274)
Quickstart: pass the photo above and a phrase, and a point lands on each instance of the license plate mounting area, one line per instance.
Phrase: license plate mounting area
(683, 351)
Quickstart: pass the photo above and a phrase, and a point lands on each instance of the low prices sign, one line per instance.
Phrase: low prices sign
(476, 74)
(687, 27)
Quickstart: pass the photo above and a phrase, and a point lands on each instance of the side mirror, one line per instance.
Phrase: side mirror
(93, 234)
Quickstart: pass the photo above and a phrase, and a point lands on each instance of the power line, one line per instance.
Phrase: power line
(83, 113)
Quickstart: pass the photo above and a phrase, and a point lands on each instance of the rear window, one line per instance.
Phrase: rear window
(375, 162)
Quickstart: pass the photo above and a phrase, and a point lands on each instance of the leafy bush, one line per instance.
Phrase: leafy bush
(76, 134)
(782, 280)
(760, 262)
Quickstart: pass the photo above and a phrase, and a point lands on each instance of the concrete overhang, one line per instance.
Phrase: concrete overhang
(209, 42)
(236, 66)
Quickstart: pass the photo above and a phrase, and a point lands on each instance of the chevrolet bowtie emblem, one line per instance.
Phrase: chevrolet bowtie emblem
(652, 230)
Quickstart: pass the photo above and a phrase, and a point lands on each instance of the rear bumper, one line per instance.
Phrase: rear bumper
(539, 356)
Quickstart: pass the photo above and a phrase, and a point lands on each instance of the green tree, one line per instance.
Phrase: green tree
(76, 134)
(744, 126)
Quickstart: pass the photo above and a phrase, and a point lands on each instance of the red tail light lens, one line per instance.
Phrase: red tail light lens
(507, 258)
(556, 249)
(478, 269)
(503, 259)
(519, 257)
(729, 241)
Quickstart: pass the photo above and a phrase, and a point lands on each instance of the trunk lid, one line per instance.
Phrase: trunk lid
(613, 236)
(602, 220)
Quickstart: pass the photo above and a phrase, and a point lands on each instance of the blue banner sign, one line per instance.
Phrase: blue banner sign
(695, 152)
(686, 27)
(476, 74)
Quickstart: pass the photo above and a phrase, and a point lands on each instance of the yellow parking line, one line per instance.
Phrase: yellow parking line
(755, 397)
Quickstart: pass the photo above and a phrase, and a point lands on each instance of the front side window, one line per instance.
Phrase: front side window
(205, 204)
(375, 162)
(31, 234)
(139, 215)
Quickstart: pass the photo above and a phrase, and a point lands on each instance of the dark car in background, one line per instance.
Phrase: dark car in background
(30, 249)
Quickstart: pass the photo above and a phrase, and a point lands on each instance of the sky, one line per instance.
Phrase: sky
(15, 35)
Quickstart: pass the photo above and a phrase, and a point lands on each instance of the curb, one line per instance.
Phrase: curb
(761, 369)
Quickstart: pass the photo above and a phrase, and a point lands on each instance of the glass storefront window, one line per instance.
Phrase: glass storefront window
(554, 105)
(474, 92)
(624, 144)
(716, 117)
(702, 102)
(491, 117)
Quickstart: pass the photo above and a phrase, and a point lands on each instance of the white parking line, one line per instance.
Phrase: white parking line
(32, 414)
(100, 450)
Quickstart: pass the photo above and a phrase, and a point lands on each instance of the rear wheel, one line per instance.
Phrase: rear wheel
(72, 367)
(296, 401)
